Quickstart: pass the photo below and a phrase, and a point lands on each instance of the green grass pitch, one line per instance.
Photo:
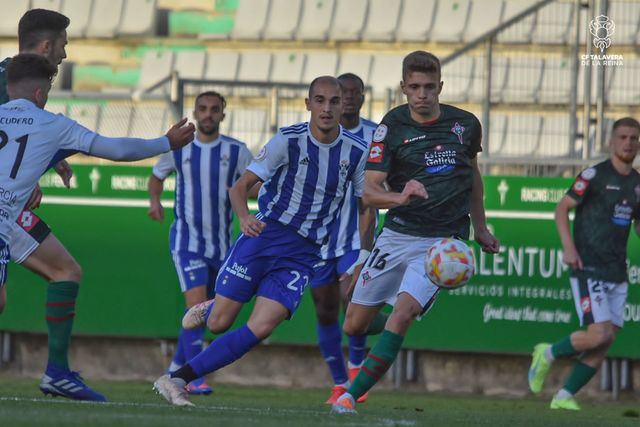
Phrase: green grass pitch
(134, 404)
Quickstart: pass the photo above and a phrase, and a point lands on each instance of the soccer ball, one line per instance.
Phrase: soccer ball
(449, 263)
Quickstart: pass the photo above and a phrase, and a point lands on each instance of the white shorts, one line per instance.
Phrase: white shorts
(396, 265)
(26, 235)
(599, 301)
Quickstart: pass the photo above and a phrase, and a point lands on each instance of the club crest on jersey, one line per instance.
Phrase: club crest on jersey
(380, 133)
(458, 130)
(585, 304)
(224, 160)
(344, 167)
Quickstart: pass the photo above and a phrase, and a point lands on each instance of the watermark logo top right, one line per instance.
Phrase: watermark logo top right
(602, 28)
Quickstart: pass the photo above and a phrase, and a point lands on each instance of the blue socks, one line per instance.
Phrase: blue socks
(226, 349)
(329, 340)
(357, 349)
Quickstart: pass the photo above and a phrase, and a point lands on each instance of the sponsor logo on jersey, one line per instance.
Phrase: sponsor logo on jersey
(380, 133)
(613, 187)
(27, 220)
(8, 196)
(439, 160)
(580, 186)
(588, 174)
(375, 152)
(622, 213)
(304, 161)
(414, 139)
(585, 304)
(458, 130)
(238, 271)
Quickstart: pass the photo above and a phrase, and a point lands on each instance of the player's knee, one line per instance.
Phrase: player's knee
(600, 337)
(218, 324)
(352, 327)
(261, 330)
(400, 320)
(327, 312)
(69, 270)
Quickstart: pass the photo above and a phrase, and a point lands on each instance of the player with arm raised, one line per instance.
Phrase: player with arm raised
(342, 252)
(200, 235)
(306, 169)
(606, 198)
(426, 153)
(29, 139)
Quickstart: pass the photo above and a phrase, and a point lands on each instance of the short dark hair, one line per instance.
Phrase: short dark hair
(627, 122)
(351, 76)
(421, 62)
(37, 25)
(29, 66)
(212, 93)
(327, 78)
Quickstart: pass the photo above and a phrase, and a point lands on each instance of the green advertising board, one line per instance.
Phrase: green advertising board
(518, 297)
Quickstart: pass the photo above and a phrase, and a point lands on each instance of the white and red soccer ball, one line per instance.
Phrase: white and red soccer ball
(449, 263)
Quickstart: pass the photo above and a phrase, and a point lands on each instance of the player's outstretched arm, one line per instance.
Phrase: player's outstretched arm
(377, 196)
(570, 254)
(156, 211)
(483, 236)
(238, 195)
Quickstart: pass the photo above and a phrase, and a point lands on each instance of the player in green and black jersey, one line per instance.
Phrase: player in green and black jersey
(606, 198)
(422, 167)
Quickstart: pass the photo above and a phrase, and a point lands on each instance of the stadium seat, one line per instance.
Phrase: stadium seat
(156, 66)
(522, 31)
(138, 18)
(85, 113)
(78, 11)
(46, 4)
(255, 66)
(283, 19)
(458, 76)
(416, 20)
(581, 82)
(524, 133)
(555, 136)
(625, 85)
(105, 18)
(251, 18)
(287, 67)
(12, 11)
(499, 72)
(290, 117)
(554, 24)
(556, 81)
(190, 64)
(115, 119)
(222, 66)
(386, 72)
(149, 121)
(316, 19)
(485, 16)
(523, 80)
(382, 20)
(57, 107)
(250, 126)
(626, 16)
(497, 134)
(450, 21)
(356, 63)
(319, 64)
(348, 20)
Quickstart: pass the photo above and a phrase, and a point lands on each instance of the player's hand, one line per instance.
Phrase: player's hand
(156, 211)
(35, 198)
(251, 226)
(362, 257)
(63, 169)
(571, 257)
(180, 135)
(412, 189)
(487, 241)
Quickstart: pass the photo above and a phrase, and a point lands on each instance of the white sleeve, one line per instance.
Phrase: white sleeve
(273, 155)
(165, 165)
(74, 136)
(358, 176)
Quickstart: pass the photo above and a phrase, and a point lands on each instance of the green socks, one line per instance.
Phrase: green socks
(563, 348)
(377, 363)
(60, 311)
(579, 376)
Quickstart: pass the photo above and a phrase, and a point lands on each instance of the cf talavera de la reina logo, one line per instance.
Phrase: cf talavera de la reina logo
(602, 29)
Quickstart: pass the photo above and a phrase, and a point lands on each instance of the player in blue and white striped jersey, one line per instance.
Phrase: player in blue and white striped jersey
(306, 170)
(339, 256)
(200, 235)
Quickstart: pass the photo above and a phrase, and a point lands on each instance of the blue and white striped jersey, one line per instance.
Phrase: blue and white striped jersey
(202, 210)
(305, 181)
(345, 237)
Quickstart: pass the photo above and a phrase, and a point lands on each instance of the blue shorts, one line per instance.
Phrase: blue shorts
(328, 271)
(194, 270)
(5, 256)
(276, 265)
